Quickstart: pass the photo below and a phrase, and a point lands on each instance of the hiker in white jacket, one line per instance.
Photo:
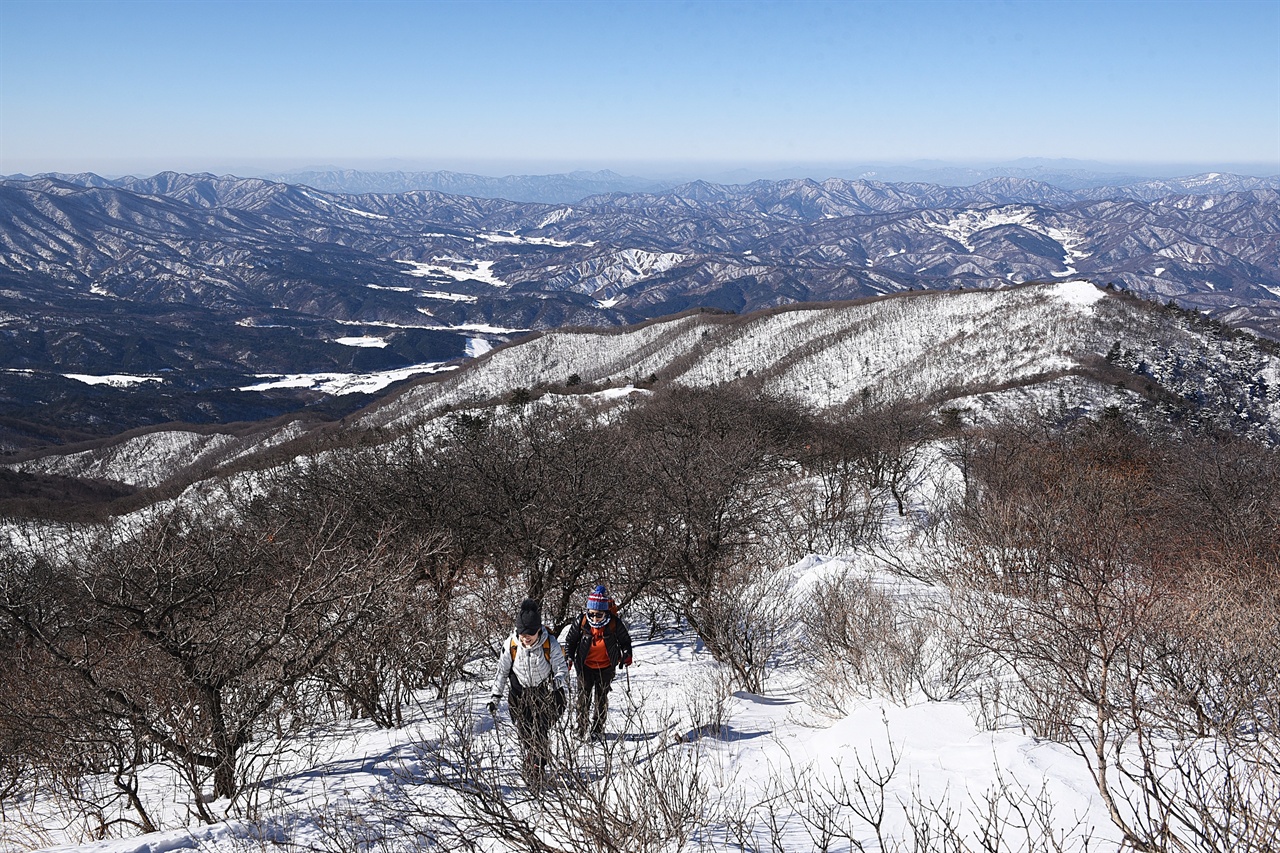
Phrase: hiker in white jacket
(531, 664)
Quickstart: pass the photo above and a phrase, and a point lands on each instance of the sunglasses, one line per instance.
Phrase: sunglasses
(597, 616)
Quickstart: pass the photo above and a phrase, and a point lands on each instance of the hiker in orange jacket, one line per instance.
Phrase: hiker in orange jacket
(597, 643)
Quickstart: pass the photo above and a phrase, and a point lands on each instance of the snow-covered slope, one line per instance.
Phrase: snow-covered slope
(151, 459)
(936, 346)
(1066, 344)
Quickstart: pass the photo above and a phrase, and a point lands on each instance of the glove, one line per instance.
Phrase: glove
(626, 661)
(493, 707)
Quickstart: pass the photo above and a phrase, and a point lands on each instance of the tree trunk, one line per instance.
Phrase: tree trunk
(224, 748)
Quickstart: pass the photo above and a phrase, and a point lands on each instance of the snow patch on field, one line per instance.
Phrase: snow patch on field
(459, 269)
(339, 384)
(509, 237)
(445, 295)
(962, 226)
(362, 341)
(114, 380)
(486, 329)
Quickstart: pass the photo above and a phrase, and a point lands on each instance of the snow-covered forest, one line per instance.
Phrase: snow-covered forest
(877, 627)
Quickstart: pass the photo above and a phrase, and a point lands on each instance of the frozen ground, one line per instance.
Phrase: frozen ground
(673, 712)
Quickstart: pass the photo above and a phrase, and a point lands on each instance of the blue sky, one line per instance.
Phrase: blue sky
(501, 87)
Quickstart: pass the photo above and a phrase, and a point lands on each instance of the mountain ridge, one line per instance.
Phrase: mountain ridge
(1067, 346)
(202, 283)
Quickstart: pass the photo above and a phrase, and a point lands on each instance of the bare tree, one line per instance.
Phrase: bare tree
(191, 631)
(1111, 613)
(707, 468)
(546, 487)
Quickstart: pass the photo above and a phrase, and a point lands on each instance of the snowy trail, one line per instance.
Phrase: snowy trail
(764, 741)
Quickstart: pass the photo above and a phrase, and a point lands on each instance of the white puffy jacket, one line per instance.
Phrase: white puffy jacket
(530, 665)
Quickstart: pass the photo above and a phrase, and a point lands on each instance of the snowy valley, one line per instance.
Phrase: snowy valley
(214, 296)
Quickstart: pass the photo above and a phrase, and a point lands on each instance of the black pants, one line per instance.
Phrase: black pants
(593, 689)
(534, 711)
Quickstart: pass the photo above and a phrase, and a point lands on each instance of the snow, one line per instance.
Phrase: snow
(610, 302)
(615, 393)
(508, 237)
(338, 384)
(485, 329)
(383, 324)
(555, 216)
(471, 270)
(115, 380)
(127, 462)
(1080, 293)
(445, 295)
(345, 770)
(606, 274)
(949, 751)
(362, 341)
(962, 226)
(366, 214)
(908, 345)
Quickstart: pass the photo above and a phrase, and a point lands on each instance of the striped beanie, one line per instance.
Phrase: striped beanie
(598, 599)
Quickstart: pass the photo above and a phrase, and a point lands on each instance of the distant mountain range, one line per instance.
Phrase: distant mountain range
(199, 284)
(1079, 184)
(552, 189)
(1067, 175)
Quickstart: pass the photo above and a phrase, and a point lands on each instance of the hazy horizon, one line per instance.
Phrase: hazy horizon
(124, 87)
(683, 171)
